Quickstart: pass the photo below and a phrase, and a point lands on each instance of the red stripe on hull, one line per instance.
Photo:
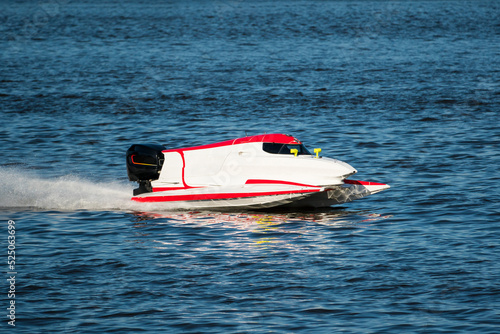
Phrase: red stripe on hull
(204, 197)
(268, 138)
(183, 168)
(364, 183)
(255, 181)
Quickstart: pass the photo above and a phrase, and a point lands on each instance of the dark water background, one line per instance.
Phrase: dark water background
(406, 91)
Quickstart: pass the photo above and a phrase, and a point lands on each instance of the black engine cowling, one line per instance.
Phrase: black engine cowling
(144, 163)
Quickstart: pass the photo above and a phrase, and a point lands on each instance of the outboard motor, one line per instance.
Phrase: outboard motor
(144, 163)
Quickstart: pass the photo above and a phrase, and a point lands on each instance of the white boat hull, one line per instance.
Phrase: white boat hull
(262, 197)
(253, 172)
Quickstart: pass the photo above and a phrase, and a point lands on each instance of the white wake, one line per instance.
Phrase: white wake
(24, 189)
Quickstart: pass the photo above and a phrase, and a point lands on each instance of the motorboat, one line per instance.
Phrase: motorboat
(254, 172)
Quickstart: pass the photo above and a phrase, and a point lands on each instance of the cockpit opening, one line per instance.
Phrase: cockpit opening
(277, 148)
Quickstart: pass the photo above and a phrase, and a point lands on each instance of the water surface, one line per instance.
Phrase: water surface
(407, 92)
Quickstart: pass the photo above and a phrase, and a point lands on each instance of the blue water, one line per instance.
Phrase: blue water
(407, 92)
